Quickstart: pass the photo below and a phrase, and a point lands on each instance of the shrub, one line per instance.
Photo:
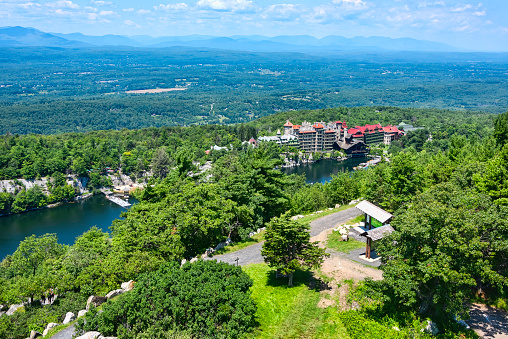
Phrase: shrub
(206, 298)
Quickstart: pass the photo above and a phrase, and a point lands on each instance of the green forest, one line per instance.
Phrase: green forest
(449, 197)
(52, 90)
(134, 152)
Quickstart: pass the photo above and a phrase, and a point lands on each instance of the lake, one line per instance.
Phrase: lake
(71, 220)
(68, 221)
(321, 171)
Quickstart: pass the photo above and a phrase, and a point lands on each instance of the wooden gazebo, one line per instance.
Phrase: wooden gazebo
(372, 234)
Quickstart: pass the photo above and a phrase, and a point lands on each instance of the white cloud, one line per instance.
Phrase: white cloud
(227, 5)
(172, 7)
(284, 12)
(462, 8)
(462, 28)
(63, 4)
(350, 4)
(61, 12)
(128, 9)
(131, 23)
(102, 3)
(29, 5)
(144, 11)
(106, 13)
(480, 13)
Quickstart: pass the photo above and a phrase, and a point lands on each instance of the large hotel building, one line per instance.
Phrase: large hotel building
(322, 136)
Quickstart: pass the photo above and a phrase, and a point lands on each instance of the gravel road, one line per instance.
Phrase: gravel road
(252, 254)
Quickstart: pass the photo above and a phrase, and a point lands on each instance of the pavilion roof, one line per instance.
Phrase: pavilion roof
(377, 213)
(375, 233)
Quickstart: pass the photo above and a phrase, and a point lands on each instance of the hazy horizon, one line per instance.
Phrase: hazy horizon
(468, 25)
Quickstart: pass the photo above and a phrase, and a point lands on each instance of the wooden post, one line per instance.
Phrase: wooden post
(367, 251)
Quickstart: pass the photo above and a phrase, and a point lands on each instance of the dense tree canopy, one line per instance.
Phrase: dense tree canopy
(206, 299)
(448, 242)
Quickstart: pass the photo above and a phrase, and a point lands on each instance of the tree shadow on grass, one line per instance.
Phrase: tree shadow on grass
(300, 277)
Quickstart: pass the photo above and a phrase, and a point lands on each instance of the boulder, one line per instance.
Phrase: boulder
(69, 316)
(82, 313)
(184, 261)
(337, 205)
(220, 246)
(95, 300)
(13, 309)
(193, 260)
(34, 334)
(128, 286)
(114, 293)
(48, 327)
(431, 328)
(91, 335)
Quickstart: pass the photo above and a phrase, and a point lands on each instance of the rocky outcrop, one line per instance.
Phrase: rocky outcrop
(114, 293)
(49, 327)
(431, 328)
(34, 334)
(94, 335)
(95, 300)
(91, 335)
(82, 313)
(127, 286)
(69, 316)
(13, 309)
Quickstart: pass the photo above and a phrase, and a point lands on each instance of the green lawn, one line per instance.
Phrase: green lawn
(335, 242)
(290, 312)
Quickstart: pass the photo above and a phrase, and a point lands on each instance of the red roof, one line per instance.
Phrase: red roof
(318, 125)
(339, 122)
(296, 126)
(207, 151)
(307, 131)
(358, 136)
(252, 140)
(330, 131)
(354, 131)
(288, 124)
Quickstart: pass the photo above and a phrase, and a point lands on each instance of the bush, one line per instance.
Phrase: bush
(206, 298)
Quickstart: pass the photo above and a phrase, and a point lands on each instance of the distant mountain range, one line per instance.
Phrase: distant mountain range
(24, 37)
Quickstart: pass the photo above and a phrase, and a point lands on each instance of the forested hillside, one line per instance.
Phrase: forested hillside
(51, 90)
(449, 200)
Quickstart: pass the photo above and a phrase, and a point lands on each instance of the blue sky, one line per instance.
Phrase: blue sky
(471, 25)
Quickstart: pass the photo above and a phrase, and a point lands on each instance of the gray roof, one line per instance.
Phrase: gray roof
(375, 233)
(379, 232)
(377, 213)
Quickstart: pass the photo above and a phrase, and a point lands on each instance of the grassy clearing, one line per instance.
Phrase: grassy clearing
(242, 244)
(335, 242)
(311, 217)
(290, 312)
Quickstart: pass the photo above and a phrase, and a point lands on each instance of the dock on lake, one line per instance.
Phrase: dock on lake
(114, 199)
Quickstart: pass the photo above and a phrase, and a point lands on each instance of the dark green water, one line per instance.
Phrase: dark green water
(322, 171)
(68, 221)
